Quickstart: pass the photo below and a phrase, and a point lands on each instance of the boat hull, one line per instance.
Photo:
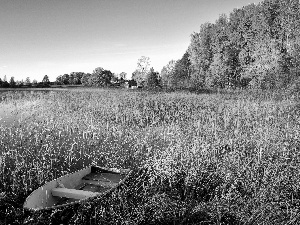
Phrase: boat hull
(51, 195)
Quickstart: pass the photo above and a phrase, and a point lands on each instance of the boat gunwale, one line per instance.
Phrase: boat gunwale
(112, 170)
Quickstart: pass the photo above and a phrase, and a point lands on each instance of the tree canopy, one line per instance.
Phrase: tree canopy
(256, 46)
(143, 68)
(46, 80)
(152, 79)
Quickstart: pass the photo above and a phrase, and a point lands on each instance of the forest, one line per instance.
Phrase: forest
(256, 46)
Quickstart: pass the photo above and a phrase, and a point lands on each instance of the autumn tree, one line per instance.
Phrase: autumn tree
(75, 78)
(27, 81)
(100, 77)
(5, 83)
(200, 54)
(114, 78)
(182, 72)
(34, 81)
(152, 79)
(136, 76)
(143, 68)
(123, 75)
(219, 71)
(72, 78)
(58, 80)
(66, 79)
(85, 79)
(20, 82)
(167, 74)
(12, 82)
(46, 81)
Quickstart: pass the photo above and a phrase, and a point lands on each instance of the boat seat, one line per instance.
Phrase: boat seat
(102, 179)
(72, 193)
(106, 184)
(106, 177)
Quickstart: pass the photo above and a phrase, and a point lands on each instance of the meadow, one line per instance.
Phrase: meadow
(219, 158)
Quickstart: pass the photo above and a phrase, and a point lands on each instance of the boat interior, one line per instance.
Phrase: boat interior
(85, 183)
(90, 185)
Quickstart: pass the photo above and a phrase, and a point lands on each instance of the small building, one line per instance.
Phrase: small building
(126, 84)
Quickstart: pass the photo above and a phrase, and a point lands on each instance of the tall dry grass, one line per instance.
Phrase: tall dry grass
(228, 158)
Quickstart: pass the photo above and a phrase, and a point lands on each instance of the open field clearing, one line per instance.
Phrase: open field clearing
(211, 158)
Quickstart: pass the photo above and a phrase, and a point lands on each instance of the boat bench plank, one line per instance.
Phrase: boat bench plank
(72, 193)
(105, 177)
(100, 183)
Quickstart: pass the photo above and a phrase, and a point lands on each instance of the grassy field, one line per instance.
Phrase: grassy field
(223, 158)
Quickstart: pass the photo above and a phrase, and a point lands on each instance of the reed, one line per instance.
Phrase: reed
(222, 158)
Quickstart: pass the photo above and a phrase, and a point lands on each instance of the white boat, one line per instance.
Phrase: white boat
(69, 189)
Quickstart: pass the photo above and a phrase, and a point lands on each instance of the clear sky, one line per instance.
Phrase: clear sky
(54, 37)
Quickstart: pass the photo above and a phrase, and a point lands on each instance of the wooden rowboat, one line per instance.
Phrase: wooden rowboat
(76, 187)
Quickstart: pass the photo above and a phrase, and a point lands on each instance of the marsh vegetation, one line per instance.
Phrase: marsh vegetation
(213, 158)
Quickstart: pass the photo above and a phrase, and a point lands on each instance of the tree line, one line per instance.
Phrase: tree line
(143, 76)
(257, 46)
(12, 83)
(100, 77)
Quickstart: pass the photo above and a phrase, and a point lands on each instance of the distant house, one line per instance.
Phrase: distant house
(129, 83)
(132, 83)
(126, 84)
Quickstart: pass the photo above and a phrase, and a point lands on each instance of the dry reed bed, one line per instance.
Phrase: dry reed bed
(215, 158)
